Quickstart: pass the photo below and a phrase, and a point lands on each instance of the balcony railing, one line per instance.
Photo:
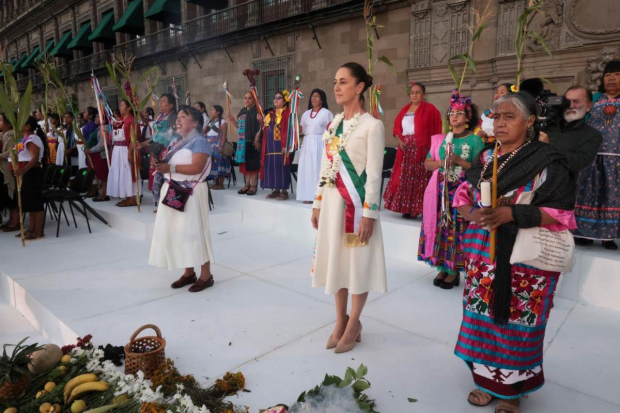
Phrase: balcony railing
(252, 13)
(167, 39)
(84, 65)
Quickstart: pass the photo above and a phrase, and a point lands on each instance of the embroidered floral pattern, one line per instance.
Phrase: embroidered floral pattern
(373, 207)
(318, 198)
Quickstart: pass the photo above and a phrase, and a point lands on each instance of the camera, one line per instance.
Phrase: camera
(550, 106)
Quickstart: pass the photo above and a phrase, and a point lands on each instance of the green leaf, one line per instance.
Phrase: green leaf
(410, 400)
(361, 371)
(24, 107)
(453, 73)
(534, 35)
(8, 107)
(478, 33)
(361, 385)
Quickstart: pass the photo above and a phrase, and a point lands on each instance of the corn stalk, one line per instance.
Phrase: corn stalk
(524, 33)
(119, 70)
(372, 33)
(16, 109)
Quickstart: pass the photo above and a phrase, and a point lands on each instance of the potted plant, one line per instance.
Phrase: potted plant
(14, 373)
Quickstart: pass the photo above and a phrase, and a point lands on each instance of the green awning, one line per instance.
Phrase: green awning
(61, 49)
(18, 66)
(166, 11)
(104, 33)
(48, 47)
(132, 21)
(29, 63)
(80, 41)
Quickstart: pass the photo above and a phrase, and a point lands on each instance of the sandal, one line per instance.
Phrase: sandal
(32, 236)
(484, 398)
(508, 406)
(252, 191)
(283, 196)
(183, 281)
(125, 203)
(201, 285)
(274, 194)
(243, 190)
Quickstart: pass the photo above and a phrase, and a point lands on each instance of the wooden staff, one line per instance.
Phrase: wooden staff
(134, 139)
(494, 200)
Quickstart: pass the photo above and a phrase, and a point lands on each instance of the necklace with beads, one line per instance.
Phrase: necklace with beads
(503, 164)
(314, 114)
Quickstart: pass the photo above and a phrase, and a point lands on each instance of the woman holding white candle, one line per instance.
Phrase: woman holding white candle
(443, 227)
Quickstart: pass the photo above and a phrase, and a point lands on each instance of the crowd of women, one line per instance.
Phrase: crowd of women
(506, 303)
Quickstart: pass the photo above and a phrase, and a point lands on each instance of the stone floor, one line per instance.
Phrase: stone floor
(263, 318)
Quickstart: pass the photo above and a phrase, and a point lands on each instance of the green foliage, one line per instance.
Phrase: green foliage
(15, 367)
(524, 33)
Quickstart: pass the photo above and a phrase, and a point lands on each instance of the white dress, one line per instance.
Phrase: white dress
(60, 152)
(120, 181)
(487, 125)
(183, 239)
(359, 269)
(311, 152)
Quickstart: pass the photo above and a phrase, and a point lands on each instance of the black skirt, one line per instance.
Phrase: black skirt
(5, 200)
(32, 190)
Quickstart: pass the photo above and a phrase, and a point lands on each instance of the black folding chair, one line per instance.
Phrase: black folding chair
(76, 192)
(389, 157)
(57, 185)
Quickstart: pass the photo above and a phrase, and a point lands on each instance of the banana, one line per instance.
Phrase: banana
(75, 382)
(88, 387)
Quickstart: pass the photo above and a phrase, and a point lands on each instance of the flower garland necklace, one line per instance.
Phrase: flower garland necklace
(334, 145)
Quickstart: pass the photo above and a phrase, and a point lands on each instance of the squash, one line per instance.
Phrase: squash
(11, 410)
(44, 360)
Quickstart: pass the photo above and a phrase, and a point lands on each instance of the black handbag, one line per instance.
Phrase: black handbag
(177, 195)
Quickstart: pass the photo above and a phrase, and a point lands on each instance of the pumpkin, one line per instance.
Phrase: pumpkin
(44, 360)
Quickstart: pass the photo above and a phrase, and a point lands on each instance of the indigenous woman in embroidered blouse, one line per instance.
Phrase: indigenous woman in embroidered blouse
(182, 238)
(275, 172)
(313, 125)
(486, 127)
(52, 136)
(413, 128)
(506, 306)
(442, 226)
(121, 178)
(248, 154)
(32, 154)
(349, 257)
(598, 193)
(217, 136)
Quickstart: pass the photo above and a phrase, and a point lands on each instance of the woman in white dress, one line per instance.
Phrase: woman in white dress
(313, 125)
(349, 255)
(182, 239)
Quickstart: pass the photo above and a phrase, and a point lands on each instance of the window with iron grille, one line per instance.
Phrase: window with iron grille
(274, 77)
(112, 97)
(165, 86)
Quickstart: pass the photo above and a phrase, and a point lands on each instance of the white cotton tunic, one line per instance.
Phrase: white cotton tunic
(183, 239)
(120, 181)
(311, 152)
(358, 269)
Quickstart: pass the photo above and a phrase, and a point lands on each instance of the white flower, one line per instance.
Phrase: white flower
(449, 138)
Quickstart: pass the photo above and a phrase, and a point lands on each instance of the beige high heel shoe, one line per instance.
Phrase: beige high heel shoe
(333, 342)
(343, 348)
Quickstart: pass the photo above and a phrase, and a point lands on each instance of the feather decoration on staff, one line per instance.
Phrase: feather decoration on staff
(292, 138)
(94, 83)
(228, 103)
(250, 74)
(174, 92)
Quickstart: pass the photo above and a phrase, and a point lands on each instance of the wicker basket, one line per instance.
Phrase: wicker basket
(145, 353)
(13, 391)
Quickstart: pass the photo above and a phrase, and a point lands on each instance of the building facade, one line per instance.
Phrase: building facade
(202, 43)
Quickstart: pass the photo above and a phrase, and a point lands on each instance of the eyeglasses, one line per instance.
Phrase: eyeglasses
(278, 98)
(456, 113)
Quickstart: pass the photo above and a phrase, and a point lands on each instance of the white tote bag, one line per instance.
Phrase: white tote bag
(541, 248)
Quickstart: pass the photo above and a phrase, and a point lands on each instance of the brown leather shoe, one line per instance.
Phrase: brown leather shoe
(201, 285)
(183, 281)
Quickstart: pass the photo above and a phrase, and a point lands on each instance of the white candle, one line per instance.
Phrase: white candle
(485, 194)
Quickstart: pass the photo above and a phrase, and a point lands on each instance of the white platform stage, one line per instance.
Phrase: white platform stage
(263, 318)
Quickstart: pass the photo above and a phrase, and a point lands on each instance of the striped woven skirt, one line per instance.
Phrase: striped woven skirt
(506, 360)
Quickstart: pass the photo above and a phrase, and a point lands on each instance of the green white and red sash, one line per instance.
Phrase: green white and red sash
(351, 187)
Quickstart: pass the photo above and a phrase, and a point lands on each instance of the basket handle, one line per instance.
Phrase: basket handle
(144, 327)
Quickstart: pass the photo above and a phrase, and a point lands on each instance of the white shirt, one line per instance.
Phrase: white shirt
(317, 124)
(408, 124)
(222, 125)
(24, 155)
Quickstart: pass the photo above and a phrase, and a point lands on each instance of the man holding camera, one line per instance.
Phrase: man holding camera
(573, 137)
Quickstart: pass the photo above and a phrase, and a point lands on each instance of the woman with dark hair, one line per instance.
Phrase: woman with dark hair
(598, 192)
(53, 137)
(32, 153)
(275, 173)
(96, 149)
(313, 125)
(506, 305)
(217, 136)
(202, 108)
(486, 126)
(8, 188)
(87, 130)
(66, 145)
(349, 257)
(441, 237)
(248, 154)
(182, 238)
(416, 122)
(122, 176)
